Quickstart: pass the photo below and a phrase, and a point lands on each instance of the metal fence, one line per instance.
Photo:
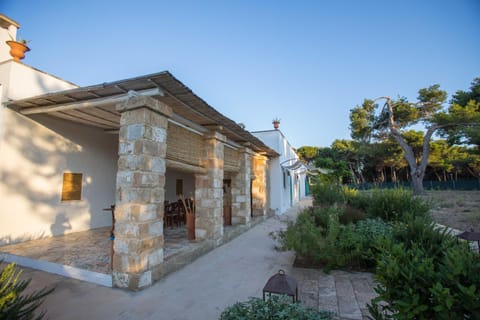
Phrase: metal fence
(472, 184)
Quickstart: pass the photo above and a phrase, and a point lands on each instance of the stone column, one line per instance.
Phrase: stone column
(259, 185)
(209, 190)
(268, 188)
(241, 200)
(140, 192)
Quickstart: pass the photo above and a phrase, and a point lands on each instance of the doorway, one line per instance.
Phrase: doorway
(227, 202)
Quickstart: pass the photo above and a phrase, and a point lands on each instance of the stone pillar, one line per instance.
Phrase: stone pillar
(268, 188)
(209, 190)
(140, 192)
(241, 200)
(259, 185)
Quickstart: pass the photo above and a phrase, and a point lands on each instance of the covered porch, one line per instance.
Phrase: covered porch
(167, 137)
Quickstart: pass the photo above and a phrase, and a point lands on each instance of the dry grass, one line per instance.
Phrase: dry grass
(456, 209)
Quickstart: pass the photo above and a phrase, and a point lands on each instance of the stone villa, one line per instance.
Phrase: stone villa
(68, 152)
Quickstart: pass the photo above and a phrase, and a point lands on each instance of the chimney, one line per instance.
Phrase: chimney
(276, 123)
(8, 32)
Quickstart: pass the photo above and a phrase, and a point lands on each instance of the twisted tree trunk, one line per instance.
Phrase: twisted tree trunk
(417, 169)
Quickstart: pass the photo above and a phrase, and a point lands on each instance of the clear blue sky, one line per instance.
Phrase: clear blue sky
(306, 62)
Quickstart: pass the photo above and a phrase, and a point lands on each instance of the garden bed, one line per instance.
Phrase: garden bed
(422, 271)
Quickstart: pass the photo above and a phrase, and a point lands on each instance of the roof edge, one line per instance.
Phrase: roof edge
(7, 22)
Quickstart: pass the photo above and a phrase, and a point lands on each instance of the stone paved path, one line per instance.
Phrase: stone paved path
(345, 293)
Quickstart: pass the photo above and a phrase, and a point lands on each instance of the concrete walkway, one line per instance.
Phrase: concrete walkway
(233, 272)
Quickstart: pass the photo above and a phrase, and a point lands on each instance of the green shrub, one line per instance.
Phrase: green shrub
(322, 216)
(358, 200)
(13, 303)
(318, 238)
(394, 204)
(422, 231)
(303, 236)
(388, 204)
(331, 194)
(345, 213)
(327, 194)
(351, 214)
(356, 244)
(424, 273)
(276, 307)
(371, 233)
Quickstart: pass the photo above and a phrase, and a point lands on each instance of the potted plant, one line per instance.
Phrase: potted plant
(276, 123)
(18, 48)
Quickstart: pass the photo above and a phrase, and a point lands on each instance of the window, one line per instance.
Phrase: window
(72, 186)
(179, 187)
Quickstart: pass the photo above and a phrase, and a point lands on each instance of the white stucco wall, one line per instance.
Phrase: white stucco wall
(6, 34)
(35, 152)
(282, 196)
(21, 81)
(276, 185)
(171, 177)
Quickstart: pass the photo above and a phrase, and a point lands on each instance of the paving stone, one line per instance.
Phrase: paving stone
(327, 293)
(363, 289)
(347, 303)
(310, 286)
(309, 299)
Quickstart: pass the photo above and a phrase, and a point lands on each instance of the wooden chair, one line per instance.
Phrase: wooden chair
(182, 218)
(171, 214)
(174, 214)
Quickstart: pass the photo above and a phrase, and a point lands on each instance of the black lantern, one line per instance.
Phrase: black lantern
(281, 283)
(471, 236)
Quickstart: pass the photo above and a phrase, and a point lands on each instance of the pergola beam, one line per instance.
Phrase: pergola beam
(98, 102)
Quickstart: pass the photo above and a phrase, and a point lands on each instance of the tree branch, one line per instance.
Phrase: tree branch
(426, 147)
(409, 155)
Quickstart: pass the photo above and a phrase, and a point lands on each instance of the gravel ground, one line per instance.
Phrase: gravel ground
(456, 209)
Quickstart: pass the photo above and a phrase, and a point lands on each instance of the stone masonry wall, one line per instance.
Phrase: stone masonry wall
(259, 185)
(139, 238)
(241, 212)
(209, 190)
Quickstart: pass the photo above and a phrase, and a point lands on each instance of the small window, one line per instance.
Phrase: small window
(284, 180)
(72, 186)
(179, 187)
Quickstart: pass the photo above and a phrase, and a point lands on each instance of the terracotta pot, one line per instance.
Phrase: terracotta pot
(190, 226)
(276, 124)
(17, 50)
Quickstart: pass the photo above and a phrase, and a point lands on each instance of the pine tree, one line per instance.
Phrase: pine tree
(14, 304)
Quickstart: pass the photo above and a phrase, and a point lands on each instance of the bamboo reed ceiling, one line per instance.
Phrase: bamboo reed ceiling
(172, 92)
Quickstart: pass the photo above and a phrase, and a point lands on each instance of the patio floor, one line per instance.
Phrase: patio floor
(86, 255)
(89, 250)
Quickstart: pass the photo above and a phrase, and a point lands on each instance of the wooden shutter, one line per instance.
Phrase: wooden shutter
(72, 186)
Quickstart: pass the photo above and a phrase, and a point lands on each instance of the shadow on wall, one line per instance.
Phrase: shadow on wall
(37, 151)
(29, 176)
(61, 224)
